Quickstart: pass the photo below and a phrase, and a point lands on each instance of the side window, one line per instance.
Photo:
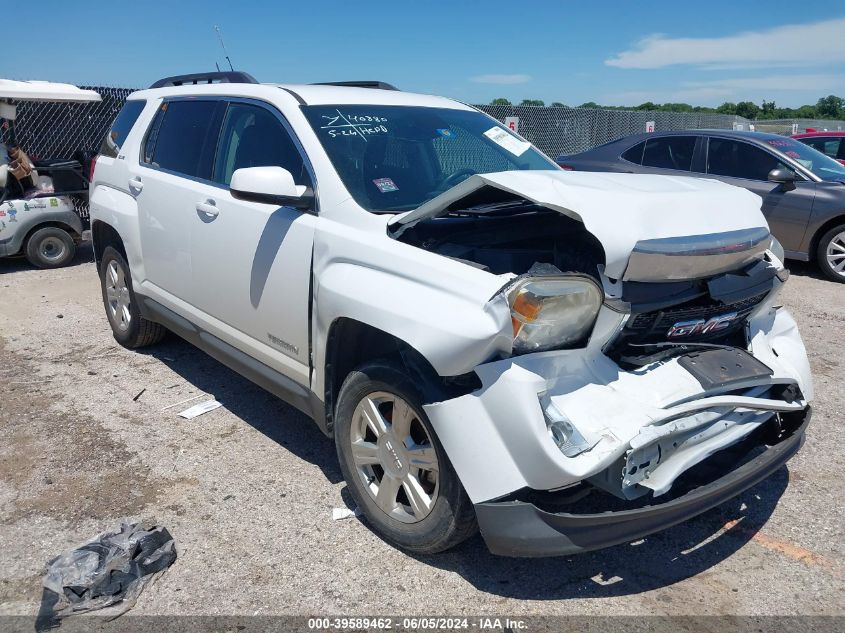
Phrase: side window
(253, 137)
(634, 154)
(815, 143)
(740, 160)
(121, 127)
(830, 146)
(669, 152)
(833, 147)
(182, 137)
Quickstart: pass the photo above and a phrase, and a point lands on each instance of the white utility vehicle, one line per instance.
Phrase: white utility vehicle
(38, 214)
(566, 360)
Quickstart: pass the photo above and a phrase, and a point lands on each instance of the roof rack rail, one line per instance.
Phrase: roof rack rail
(379, 85)
(231, 77)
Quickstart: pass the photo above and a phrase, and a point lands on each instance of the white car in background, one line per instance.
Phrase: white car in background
(565, 360)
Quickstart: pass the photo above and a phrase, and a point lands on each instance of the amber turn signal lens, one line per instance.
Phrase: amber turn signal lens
(525, 309)
(527, 306)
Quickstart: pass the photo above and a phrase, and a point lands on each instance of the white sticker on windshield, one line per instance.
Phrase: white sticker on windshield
(506, 140)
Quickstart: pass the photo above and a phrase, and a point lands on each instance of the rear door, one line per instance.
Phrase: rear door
(175, 164)
(251, 262)
(669, 154)
(745, 165)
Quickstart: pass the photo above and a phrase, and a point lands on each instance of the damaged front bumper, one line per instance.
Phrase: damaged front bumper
(634, 433)
(519, 528)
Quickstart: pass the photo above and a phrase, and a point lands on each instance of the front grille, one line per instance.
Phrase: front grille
(657, 323)
(643, 340)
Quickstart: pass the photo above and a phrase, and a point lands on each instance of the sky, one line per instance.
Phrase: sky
(614, 53)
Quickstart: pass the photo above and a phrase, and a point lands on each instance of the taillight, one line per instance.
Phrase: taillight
(566, 167)
(91, 170)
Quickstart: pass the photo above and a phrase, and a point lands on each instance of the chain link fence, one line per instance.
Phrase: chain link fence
(52, 130)
(793, 126)
(60, 130)
(571, 130)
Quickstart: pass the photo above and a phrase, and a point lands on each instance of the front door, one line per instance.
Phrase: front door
(744, 165)
(251, 262)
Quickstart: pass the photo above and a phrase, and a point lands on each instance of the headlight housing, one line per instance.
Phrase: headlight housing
(553, 311)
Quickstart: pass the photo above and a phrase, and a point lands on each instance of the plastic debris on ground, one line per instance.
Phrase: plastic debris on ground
(344, 513)
(199, 409)
(108, 572)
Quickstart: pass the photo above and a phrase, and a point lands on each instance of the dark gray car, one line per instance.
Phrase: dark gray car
(803, 190)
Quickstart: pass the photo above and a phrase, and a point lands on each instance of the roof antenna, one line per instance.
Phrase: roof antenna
(225, 53)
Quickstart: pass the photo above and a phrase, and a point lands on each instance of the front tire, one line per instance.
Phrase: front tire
(831, 253)
(396, 469)
(50, 247)
(130, 329)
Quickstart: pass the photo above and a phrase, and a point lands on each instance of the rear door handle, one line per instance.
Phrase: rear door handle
(208, 208)
(136, 184)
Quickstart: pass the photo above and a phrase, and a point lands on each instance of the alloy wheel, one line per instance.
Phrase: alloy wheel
(836, 254)
(117, 296)
(394, 457)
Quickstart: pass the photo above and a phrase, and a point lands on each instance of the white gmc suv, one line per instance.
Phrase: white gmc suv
(565, 360)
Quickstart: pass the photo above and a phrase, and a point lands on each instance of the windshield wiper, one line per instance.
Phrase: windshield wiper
(492, 207)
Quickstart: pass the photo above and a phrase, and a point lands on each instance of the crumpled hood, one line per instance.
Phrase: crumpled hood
(619, 209)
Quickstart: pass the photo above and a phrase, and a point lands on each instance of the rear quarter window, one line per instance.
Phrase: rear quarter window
(634, 154)
(121, 127)
(669, 152)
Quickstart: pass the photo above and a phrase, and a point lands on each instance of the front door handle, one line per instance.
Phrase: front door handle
(208, 209)
(135, 184)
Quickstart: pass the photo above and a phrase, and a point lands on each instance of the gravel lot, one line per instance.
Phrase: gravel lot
(247, 490)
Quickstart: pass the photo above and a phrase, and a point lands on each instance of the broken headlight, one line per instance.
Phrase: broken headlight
(553, 311)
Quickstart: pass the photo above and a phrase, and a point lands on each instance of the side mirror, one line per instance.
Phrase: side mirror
(785, 177)
(270, 185)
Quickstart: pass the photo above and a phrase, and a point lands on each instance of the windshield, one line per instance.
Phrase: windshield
(821, 165)
(395, 158)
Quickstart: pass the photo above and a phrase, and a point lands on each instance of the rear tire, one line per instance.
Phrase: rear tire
(50, 247)
(830, 254)
(130, 329)
(424, 508)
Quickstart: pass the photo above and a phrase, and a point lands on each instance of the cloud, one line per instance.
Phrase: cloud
(738, 89)
(501, 79)
(819, 43)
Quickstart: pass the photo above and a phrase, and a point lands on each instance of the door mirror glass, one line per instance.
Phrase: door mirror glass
(270, 185)
(782, 175)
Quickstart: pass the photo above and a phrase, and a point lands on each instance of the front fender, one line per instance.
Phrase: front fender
(451, 331)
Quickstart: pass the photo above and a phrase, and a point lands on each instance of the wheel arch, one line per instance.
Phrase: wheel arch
(102, 236)
(351, 343)
(824, 228)
(76, 235)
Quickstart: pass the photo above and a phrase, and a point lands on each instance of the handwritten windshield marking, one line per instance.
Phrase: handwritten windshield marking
(353, 124)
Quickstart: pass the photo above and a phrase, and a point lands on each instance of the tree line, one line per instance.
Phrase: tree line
(830, 107)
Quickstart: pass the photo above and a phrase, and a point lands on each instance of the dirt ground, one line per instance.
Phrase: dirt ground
(247, 490)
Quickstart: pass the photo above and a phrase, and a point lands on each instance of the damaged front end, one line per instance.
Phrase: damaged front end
(653, 375)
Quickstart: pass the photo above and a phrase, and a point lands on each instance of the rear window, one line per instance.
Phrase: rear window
(669, 152)
(635, 154)
(183, 136)
(120, 128)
